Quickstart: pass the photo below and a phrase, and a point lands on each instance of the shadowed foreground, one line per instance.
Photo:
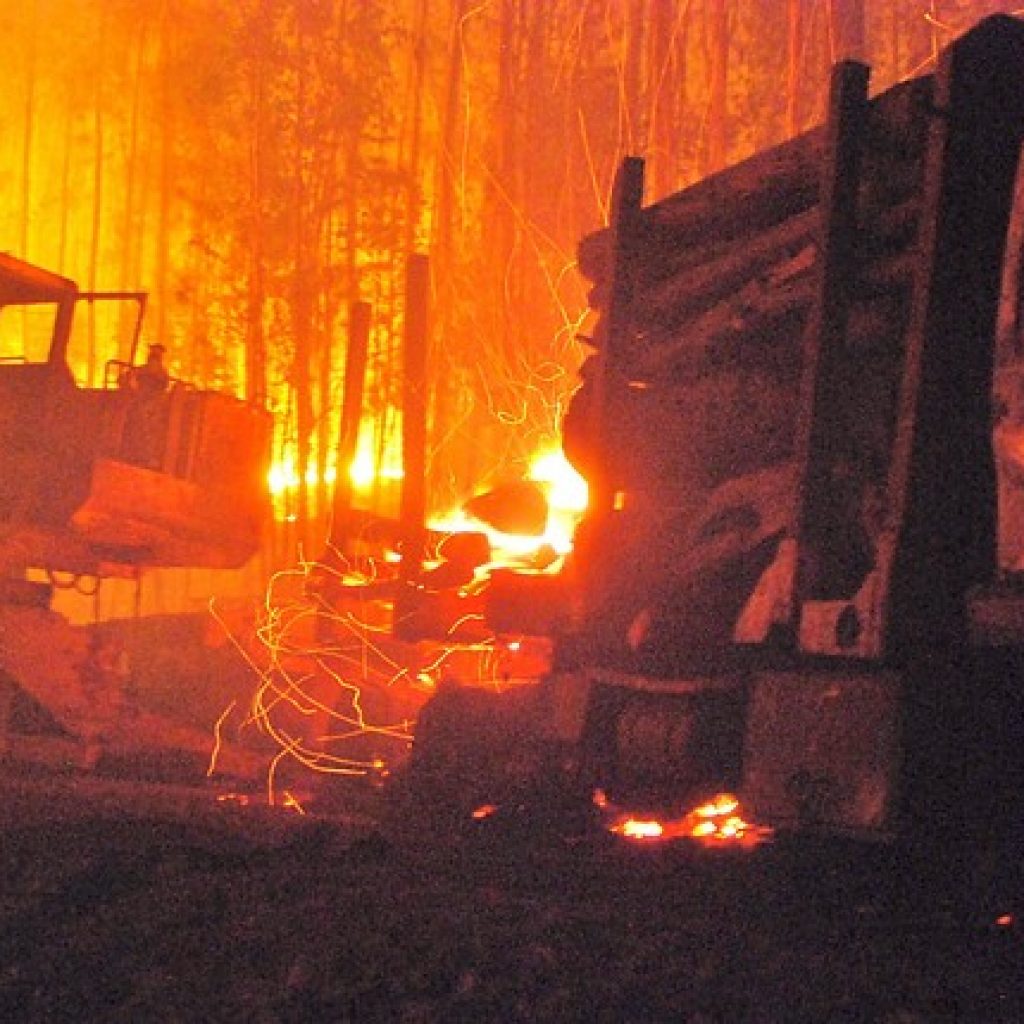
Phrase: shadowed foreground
(158, 903)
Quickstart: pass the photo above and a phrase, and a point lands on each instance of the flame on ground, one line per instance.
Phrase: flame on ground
(718, 821)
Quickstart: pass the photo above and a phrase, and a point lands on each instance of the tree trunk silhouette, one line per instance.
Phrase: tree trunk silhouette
(442, 258)
(29, 128)
(716, 128)
(632, 73)
(794, 52)
(99, 159)
(131, 233)
(849, 39)
(255, 335)
(302, 285)
(167, 133)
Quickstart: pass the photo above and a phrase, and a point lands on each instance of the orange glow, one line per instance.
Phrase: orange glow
(1004, 920)
(291, 802)
(566, 489)
(283, 475)
(633, 828)
(315, 662)
(321, 668)
(713, 823)
(242, 799)
(484, 811)
(364, 470)
(723, 803)
(218, 741)
(566, 494)
(371, 466)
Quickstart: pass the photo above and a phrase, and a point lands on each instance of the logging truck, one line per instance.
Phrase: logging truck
(799, 575)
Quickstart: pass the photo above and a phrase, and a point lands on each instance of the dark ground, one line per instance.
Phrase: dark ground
(124, 900)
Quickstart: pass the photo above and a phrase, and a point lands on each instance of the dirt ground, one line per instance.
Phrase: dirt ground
(125, 898)
(141, 891)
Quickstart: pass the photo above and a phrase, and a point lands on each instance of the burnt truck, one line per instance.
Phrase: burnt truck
(799, 578)
(140, 470)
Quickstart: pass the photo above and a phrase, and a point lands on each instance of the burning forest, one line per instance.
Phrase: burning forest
(512, 511)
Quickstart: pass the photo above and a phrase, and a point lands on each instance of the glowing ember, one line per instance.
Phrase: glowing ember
(632, 828)
(715, 822)
(722, 804)
(291, 802)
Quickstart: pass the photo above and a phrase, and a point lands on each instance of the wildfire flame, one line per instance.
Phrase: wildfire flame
(566, 494)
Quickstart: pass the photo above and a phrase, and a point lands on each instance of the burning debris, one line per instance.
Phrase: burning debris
(715, 822)
(348, 653)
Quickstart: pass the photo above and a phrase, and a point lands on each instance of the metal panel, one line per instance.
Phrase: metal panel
(822, 750)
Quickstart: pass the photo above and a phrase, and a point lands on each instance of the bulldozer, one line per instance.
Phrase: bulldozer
(138, 471)
(97, 478)
(798, 579)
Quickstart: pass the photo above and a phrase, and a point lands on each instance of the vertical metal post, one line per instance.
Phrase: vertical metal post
(414, 423)
(819, 441)
(351, 414)
(608, 380)
(625, 209)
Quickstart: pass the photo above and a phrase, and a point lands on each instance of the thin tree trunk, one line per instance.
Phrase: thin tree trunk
(130, 235)
(97, 199)
(255, 340)
(632, 74)
(848, 34)
(168, 126)
(715, 132)
(325, 371)
(794, 51)
(415, 112)
(505, 194)
(896, 41)
(302, 285)
(445, 196)
(29, 132)
(66, 199)
(443, 251)
(659, 107)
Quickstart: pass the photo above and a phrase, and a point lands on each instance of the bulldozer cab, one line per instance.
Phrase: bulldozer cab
(100, 476)
(35, 313)
(38, 323)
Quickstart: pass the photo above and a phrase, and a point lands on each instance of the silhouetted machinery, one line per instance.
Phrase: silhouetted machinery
(800, 571)
(144, 471)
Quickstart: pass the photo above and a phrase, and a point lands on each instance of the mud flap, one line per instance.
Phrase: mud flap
(656, 744)
(814, 749)
(823, 750)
